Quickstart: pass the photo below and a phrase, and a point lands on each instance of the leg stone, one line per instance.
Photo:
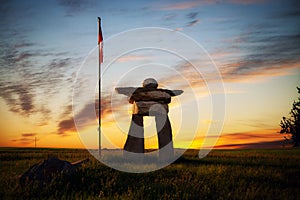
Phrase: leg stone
(135, 139)
(165, 143)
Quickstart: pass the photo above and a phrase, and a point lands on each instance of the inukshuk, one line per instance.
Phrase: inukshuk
(149, 101)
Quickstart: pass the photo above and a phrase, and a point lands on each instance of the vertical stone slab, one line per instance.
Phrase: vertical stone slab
(135, 139)
(165, 143)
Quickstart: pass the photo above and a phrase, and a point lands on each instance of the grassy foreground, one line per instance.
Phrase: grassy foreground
(223, 174)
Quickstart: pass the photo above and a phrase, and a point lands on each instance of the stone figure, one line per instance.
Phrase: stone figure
(149, 101)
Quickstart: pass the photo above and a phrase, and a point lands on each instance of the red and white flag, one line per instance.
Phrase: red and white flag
(100, 41)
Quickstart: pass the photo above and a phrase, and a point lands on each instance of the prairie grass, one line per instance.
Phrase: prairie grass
(223, 174)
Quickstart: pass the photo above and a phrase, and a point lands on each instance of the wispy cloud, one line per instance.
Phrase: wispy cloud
(265, 55)
(194, 4)
(261, 49)
(181, 6)
(129, 58)
(76, 6)
(255, 145)
(26, 138)
(66, 126)
(22, 44)
(264, 138)
(18, 97)
(30, 74)
(66, 111)
(242, 71)
(262, 134)
(234, 72)
(86, 116)
(170, 16)
(28, 134)
(193, 23)
(246, 2)
(20, 87)
(192, 15)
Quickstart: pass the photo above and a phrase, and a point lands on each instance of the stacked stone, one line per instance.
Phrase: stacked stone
(149, 101)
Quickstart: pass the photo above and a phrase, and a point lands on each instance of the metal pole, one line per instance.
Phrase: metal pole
(99, 77)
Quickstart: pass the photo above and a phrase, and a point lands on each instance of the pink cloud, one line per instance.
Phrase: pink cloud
(182, 6)
(193, 4)
(246, 2)
(128, 58)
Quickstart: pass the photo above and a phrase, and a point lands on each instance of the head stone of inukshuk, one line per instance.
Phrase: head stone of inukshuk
(149, 100)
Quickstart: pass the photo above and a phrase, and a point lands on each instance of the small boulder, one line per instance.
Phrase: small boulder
(45, 171)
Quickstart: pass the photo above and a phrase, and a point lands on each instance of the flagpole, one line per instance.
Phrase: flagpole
(99, 79)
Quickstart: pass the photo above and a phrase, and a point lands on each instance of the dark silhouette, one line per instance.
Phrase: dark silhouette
(149, 101)
(291, 125)
(47, 170)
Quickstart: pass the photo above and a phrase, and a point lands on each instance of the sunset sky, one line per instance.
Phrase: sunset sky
(49, 54)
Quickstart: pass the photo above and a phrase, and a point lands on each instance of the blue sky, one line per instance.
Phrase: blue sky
(254, 43)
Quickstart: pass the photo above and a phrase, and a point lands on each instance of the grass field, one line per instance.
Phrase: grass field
(223, 174)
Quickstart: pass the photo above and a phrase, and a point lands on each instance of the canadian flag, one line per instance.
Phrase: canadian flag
(100, 41)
